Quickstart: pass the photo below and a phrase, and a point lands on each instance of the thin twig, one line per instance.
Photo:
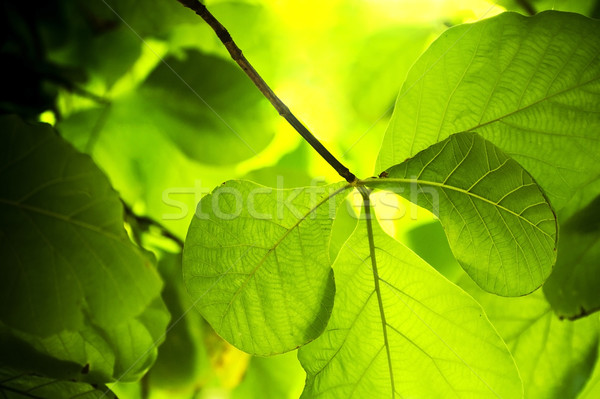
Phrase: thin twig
(260, 83)
(98, 126)
(144, 222)
(74, 88)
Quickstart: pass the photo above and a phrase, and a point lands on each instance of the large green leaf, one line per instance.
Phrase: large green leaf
(499, 224)
(400, 329)
(256, 261)
(554, 356)
(73, 287)
(580, 6)
(572, 288)
(592, 388)
(66, 254)
(529, 85)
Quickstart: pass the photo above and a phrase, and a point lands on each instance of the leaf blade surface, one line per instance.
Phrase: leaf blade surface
(529, 85)
(256, 260)
(499, 224)
(433, 329)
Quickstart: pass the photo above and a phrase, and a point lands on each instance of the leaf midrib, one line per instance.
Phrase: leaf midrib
(386, 180)
(61, 217)
(373, 257)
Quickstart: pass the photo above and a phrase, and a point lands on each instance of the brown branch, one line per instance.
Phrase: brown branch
(260, 83)
(144, 223)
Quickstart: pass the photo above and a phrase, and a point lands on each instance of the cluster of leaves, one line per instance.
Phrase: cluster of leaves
(496, 131)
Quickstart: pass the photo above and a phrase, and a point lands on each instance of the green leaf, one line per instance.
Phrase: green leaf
(572, 288)
(256, 262)
(580, 6)
(73, 288)
(147, 18)
(400, 329)
(63, 238)
(102, 55)
(592, 388)
(499, 224)
(123, 351)
(529, 85)
(17, 386)
(554, 356)
(183, 357)
(199, 148)
(165, 183)
(204, 103)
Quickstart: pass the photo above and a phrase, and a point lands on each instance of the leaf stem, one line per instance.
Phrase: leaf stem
(264, 88)
(144, 223)
(365, 192)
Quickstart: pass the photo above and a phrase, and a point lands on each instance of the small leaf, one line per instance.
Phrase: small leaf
(529, 85)
(572, 288)
(499, 224)
(256, 261)
(592, 388)
(400, 329)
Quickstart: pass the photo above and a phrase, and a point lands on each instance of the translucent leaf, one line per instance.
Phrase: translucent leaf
(554, 356)
(400, 329)
(572, 288)
(529, 85)
(592, 388)
(499, 224)
(256, 262)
